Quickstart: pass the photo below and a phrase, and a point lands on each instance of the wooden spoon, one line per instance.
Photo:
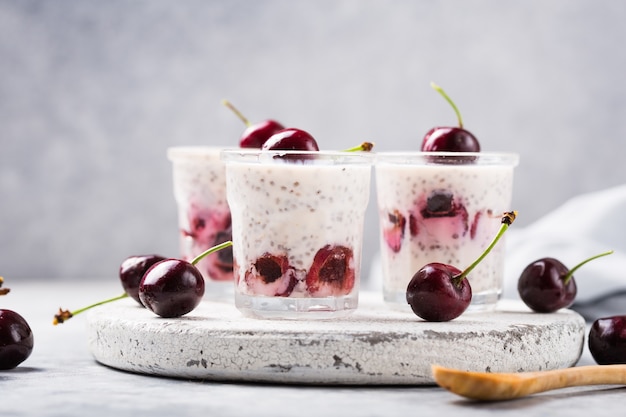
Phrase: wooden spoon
(486, 386)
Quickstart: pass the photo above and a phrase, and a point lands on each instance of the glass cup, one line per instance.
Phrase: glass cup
(442, 207)
(298, 221)
(203, 213)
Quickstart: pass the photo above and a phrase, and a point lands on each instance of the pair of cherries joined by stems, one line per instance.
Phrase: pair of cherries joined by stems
(168, 287)
(270, 135)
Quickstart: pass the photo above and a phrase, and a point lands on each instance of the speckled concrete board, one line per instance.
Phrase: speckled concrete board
(373, 346)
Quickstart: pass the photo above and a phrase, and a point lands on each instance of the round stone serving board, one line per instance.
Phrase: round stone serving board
(373, 346)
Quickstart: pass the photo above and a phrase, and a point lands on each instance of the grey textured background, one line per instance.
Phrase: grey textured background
(92, 93)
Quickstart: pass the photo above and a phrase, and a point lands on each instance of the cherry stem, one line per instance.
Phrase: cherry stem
(3, 291)
(64, 315)
(570, 274)
(449, 100)
(365, 147)
(507, 219)
(211, 250)
(237, 112)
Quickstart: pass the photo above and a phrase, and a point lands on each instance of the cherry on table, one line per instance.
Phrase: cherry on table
(442, 292)
(449, 138)
(607, 340)
(547, 285)
(16, 337)
(256, 134)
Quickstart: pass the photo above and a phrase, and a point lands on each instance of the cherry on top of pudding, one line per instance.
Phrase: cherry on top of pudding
(449, 138)
(291, 139)
(255, 134)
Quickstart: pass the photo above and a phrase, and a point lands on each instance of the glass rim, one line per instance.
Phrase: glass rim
(194, 151)
(249, 155)
(448, 158)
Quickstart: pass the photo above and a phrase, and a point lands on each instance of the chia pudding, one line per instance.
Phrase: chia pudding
(442, 207)
(297, 227)
(203, 213)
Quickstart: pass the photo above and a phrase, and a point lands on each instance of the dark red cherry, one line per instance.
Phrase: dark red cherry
(171, 288)
(132, 270)
(449, 139)
(546, 285)
(438, 292)
(393, 230)
(607, 340)
(332, 272)
(544, 288)
(271, 275)
(291, 139)
(16, 339)
(256, 134)
(441, 292)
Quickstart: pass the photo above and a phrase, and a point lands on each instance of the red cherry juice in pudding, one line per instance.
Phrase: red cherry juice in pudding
(442, 207)
(297, 223)
(203, 213)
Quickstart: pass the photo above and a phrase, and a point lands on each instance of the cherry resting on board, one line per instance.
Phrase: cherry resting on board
(133, 269)
(169, 288)
(442, 292)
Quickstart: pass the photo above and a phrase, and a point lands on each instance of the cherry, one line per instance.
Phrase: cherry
(133, 269)
(441, 292)
(332, 272)
(449, 139)
(173, 287)
(546, 285)
(291, 139)
(607, 340)
(16, 337)
(256, 134)
(169, 288)
(271, 275)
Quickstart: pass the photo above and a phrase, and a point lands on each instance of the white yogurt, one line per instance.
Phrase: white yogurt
(442, 212)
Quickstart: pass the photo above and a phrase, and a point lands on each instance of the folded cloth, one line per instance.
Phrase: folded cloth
(582, 227)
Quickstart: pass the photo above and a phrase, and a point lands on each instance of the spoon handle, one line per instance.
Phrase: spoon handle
(487, 386)
(580, 376)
